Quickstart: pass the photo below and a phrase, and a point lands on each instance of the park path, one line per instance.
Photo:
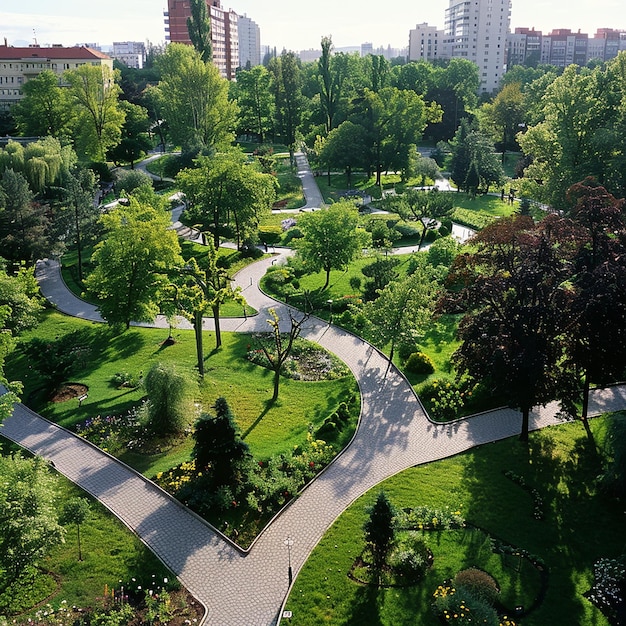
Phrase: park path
(248, 589)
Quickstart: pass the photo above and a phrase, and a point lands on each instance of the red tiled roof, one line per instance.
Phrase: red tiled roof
(78, 52)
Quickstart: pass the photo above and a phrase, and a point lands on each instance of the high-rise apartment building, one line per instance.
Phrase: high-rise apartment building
(427, 43)
(130, 53)
(224, 32)
(249, 42)
(477, 30)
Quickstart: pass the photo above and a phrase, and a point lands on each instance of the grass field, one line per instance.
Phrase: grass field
(580, 526)
(269, 428)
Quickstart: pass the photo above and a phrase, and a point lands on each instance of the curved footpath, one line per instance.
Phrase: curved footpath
(248, 589)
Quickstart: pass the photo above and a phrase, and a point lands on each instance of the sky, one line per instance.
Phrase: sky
(294, 25)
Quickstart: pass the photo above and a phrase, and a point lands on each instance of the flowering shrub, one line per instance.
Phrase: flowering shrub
(447, 401)
(114, 433)
(609, 589)
(178, 477)
(307, 361)
(410, 557)
(429, 518)
(419, 363)
(458, 605)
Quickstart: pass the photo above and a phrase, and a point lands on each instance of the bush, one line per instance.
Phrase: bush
(410, 558)
(481, 584)
(614, 477)
(168, 409)
(270, 235)
(420, 363)
(458, 605)
(129, 180)
(405, 350)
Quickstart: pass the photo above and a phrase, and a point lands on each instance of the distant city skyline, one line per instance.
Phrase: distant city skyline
(283, 23)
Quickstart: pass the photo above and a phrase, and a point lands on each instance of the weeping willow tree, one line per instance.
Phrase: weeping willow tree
(42, 163)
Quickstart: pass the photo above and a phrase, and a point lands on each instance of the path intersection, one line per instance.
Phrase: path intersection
(241, 588)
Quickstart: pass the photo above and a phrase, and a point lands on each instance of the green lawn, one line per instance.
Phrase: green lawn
(580, 526)
(111, 553)
(269, 428)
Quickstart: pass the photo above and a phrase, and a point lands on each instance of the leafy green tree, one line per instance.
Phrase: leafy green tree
(219, 451)
(204, 290)
(393, 121)
(379, 531)
(380, 272)
(344, 148)
(28, 522)
(75, 511)
(503, 118)
(333, 74)
(94, 94)
(132, 261)
(475, 165)
(79, 193)
(20, 306)
(199, 29)
(401, 311)
(427, 207)
(44, 109)
(252, 91)
(287, 85)
(225, 190)
(135, 141)
(168, 409)
(574, 137)
(23, 223)
(193, 99)
(331, 238)
(596, 335)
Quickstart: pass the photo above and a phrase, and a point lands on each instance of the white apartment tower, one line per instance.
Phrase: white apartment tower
(427, 43)
(249, 42)
(477, 31)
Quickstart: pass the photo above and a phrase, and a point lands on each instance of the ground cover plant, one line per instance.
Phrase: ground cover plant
(581, 525)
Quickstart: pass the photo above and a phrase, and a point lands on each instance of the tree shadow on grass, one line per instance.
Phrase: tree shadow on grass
(365, 610)
(269, 404)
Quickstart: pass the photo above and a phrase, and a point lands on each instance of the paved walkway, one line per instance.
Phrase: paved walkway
(248, 589)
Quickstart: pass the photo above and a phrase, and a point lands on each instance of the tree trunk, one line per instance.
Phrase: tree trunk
(585, 410)
(523, 436)
(80, 553)
(197, 326)
(276, 384)
(327, 279)
(218, 333)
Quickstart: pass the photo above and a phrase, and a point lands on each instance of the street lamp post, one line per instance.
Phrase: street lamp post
(330, 306)
(289, 542)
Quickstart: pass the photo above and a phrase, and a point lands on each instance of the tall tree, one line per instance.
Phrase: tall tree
(596, 334)
(332, 71)
(28, 521)
(135, 141)
(401, 311)
(225, 190)
(254, 97)
(199, 29)
(574, 136)
(94, 94)
(344, 148)
(23, 222)
(19, 310)
(44, 109)
(193, 99)
(511, 335)
(427, 207)
(331, 238)
(132, 261)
